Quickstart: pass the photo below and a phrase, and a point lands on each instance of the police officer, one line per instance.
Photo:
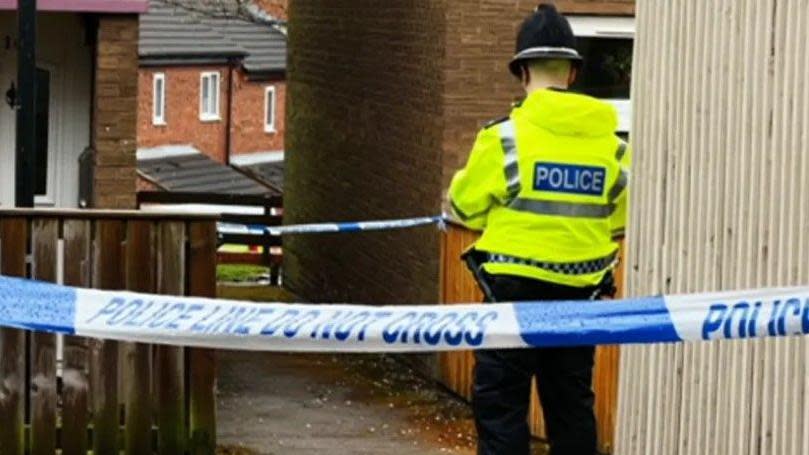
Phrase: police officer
(548, 188)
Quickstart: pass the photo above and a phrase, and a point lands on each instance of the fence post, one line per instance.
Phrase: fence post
(75, 410)
(44, 240)
(13, 248)
(202, 362)
(104, 360)
(170, 392)
(140, 277)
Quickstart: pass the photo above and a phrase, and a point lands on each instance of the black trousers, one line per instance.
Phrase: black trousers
(564, 376)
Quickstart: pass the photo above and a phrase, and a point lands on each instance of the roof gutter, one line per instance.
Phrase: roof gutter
(266, 76)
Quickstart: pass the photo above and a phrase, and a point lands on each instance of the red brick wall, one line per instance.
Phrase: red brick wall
(604, 7)
(114, 112)
(183, 125)
(364, 137)
(248, 116)
(477, 85)
(277, 8)
(146, 185)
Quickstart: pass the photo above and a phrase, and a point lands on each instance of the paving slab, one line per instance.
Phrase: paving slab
(312, 404)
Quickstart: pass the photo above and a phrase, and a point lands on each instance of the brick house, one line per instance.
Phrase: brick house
(87, 79)
(212, 85)
(387, 104)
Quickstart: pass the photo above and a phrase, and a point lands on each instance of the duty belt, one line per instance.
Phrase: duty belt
(564, 268)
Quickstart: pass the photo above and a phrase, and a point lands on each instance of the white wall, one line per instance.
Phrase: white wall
(7, 74)
(61, 49)
(720, 200)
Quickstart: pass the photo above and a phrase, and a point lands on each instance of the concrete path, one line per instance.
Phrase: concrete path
(315, 404)
(283, 404)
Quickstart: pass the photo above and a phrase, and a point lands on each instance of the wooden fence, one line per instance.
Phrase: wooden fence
(106, 396)
(270, 206)
(455, 369)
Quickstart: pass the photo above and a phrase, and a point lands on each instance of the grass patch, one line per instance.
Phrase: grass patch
(237, 273)
(225, 450)
(231, 248)
(257, 293)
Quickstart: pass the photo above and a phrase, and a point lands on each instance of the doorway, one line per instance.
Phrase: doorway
(42, 165)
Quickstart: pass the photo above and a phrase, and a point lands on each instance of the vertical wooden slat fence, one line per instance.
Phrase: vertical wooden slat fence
(455, 368)
(170, 387)
(719, 202)
(44, 235)
(272, 207)
(140, 250)
(13, 249)
(104, 363)
(107, 396)
(201, 362)
(75, 376)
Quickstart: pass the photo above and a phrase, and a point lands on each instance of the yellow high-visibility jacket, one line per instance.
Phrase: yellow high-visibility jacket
(549, 188)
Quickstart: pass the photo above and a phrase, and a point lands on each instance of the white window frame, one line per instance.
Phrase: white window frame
(56, 164)
(608, 27)
(269, 95)
(209, 113)
(603, 26)
(159, 120)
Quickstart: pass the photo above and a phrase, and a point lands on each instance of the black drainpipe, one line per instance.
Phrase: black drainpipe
(228, 118)
(26, 104)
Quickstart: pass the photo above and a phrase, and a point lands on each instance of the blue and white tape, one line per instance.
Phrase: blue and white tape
(323, 228)
(224, 324)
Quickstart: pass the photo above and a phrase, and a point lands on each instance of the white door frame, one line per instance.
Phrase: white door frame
(55, 105)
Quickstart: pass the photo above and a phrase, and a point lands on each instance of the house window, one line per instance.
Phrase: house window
(606, 44)
(209, 97)
(607, 67)
(159, 99)
(269, 109)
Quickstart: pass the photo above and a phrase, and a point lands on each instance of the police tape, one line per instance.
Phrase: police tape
(323, 228)
(225, 324)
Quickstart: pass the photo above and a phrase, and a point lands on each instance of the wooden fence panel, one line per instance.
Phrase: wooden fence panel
(106, 384)
(75, 406)
(456, 368)
(110, 235)
(13, 249)
(202, 368)
(140, 277)
(170, 393)
(44, 241)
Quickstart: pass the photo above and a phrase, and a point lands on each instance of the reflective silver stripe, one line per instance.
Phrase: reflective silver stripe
(620, 185)
(623, 179)
(569, 209)
(548, 49)
(508, 140)
(619, 155)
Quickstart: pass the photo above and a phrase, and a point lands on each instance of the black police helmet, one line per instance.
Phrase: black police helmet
(545, 34)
